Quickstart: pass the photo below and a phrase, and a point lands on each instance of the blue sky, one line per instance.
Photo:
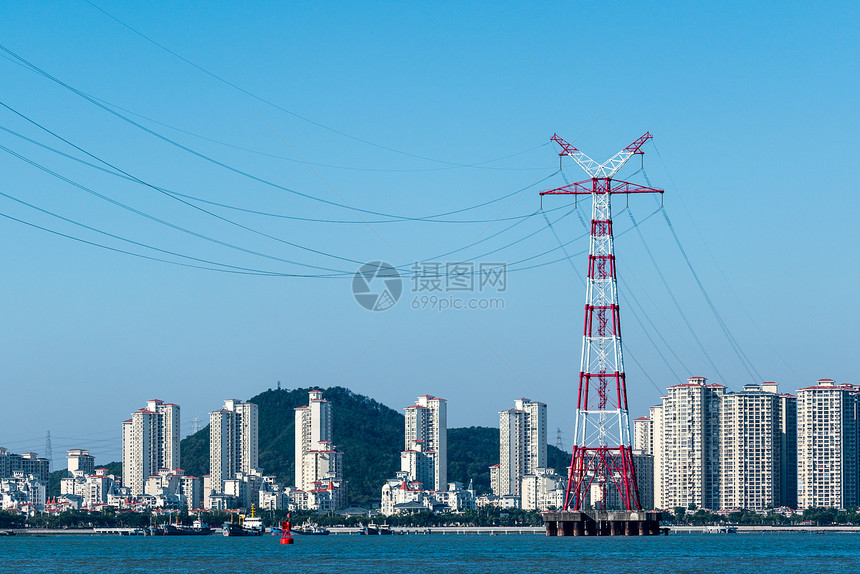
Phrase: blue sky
(384, 107)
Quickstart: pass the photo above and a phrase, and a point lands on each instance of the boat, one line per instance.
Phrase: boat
(197, 529)
(372, 529)
(248, 526)
(310, 529)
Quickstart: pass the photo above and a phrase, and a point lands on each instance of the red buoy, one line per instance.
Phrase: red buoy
(286, 535)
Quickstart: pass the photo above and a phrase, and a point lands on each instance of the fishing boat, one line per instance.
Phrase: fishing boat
(372, 529)
(197, 529)
(310, 529)
(247, 526)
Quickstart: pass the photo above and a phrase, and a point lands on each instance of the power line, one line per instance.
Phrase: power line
(164, 222)
(266, 101)
(739, 300)
(477, 165)
(742, 357)
(168, 194)
(268, 213)
(238, 171)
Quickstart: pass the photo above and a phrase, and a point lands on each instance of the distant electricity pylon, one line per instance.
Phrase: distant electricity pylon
(195, 425)
(49, 452)
(559, 439)
(602, 451)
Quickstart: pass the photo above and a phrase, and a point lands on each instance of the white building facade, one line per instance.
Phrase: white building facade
(426, 439)
(319, 465)
(827, 445)
(522, 445)
(150, 442)
(719, 450)
(233, 442)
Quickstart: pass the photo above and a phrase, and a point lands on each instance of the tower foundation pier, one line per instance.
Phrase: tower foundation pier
(603, 523)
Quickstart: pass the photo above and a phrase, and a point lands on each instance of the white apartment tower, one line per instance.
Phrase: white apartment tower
(690, 445)
(426, 442)
(827, 449)
(319, 466)
(754, 451)
(522, 444)
(150, 442)
(233, 435)
(656, 424)
(643, 434)
(724, 450)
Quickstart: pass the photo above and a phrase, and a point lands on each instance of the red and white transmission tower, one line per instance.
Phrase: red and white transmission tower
(602, 451)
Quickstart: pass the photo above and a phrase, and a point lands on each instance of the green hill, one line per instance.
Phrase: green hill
(370, 435)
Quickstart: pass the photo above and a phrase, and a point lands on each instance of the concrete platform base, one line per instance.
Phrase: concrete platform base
(603, 523)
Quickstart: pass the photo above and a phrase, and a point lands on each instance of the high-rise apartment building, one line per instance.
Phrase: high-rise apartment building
(656, 424)
(319, 465)
(643, 434)
(313, 431)
(150, 442)
(690, 419)
(233, 435)
(426, 441)
(754, 451)
(827, 445)
(716, 449)
(522, 445)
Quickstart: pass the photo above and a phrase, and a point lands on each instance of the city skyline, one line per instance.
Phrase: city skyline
(724, 114)
(702, 447)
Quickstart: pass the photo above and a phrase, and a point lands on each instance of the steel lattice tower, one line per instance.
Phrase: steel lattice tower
(602, 450)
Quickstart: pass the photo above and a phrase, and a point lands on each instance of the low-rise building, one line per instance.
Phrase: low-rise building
(542, 490)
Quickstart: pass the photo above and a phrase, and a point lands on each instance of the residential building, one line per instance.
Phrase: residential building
(657, 451)
(93, 489)
(643, 466)
(788, 446)
(150, 442)
(233, 437)
(754, 453)
(82, 461)
(717, 449)
(319, 465)
(691, 453)
(426, 424)
(28, 463)
(402, 496)
(643, 434)
(494, 479)
(419, 465)
(522, 444)
(827, 445)
(23, 493)
(542, 490)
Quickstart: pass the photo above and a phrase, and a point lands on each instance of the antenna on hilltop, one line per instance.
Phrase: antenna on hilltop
(195, 422)
(49, 452)
(279, 385)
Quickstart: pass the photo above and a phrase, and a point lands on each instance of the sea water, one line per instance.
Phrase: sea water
(765, 553)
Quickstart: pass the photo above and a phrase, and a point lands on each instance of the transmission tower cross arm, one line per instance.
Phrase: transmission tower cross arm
(588, 165)
(608, 168)
(611, 166)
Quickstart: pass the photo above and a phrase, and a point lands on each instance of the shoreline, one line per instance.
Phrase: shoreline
(474, 530)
